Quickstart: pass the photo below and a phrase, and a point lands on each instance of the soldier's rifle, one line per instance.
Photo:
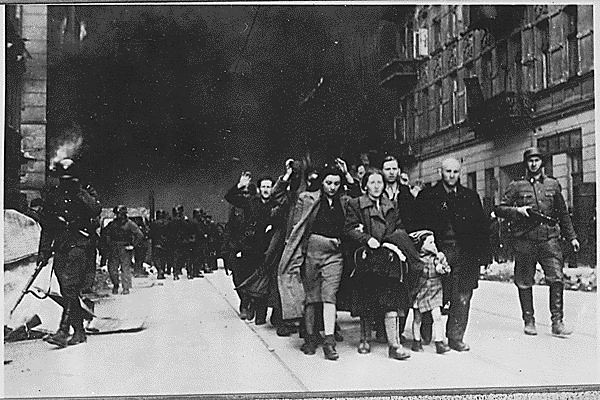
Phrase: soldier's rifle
(540, 217)
(40, 265)
(38, 268)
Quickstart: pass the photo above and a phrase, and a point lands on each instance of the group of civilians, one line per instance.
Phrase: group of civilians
(309, 245)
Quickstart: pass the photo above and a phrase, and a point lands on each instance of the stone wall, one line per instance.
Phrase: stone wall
(33, 103)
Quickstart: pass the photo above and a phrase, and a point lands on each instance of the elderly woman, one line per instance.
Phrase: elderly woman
(374, 223)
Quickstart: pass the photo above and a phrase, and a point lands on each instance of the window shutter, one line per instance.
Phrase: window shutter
(559, 69)
(585, 36)
(527, 58)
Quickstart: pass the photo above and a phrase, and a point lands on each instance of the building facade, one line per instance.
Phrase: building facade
(25, 103)
(482, 83)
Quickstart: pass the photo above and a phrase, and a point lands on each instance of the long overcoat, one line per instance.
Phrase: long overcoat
(471, 227)
(289, 279)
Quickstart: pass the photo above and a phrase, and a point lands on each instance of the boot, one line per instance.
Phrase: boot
(261, 313)
(329, 348)
(77, 324)
(441, 347)
(417, 346)
(115, 289)
(310, 345)
(61, 337)
(285, 330)
(556, 310)
(458, 345)
(365, 335)
(526, 300)
(392, 330)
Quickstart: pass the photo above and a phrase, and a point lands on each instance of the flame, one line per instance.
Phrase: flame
(67, 150)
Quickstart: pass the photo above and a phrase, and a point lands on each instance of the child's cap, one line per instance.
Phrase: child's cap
(418, 237)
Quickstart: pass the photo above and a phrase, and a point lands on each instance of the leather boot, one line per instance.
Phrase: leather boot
(309, 347)
(365, 336)
(261, 312)
(556, 310)
(77, 324)
(61, 337)
(441, 347)
(329, 348)
(526, 300)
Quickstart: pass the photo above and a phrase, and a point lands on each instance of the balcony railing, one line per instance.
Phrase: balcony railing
(504, 113)
(495, 19)
(399, 74)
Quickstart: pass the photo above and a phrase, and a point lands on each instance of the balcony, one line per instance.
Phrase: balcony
(506, 112)
(498, 20)
(399, 74)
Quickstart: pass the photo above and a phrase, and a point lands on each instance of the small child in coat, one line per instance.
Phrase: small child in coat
(428, 291)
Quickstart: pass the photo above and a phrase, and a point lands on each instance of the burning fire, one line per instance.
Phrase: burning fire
(66, 150)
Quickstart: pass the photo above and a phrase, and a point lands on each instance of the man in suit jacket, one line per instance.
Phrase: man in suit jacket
(455, 215)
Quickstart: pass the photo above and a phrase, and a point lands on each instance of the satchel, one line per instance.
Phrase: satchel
(381, 262)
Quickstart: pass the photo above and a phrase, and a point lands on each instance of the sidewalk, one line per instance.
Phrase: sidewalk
(195, 342)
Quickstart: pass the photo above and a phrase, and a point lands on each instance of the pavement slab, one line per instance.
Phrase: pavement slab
(195, 343)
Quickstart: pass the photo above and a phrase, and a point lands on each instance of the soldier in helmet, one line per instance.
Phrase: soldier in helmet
(199, 251)
(536, 208)
(182, 238)
(120, 237)
(67, 218)
(159, 237)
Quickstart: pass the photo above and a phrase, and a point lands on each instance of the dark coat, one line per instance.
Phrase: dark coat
(469, 223)
(389, 293)
(405, 204)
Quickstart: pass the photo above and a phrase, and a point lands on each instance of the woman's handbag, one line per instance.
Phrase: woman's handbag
(382, 262)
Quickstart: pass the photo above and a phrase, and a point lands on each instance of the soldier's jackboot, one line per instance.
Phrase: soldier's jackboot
(526, 300)
(556, 310)
(61, 337)
(77, 324)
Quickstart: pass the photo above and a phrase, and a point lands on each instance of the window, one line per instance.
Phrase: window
(501, 67)
(572, 45)
(425, 110)
(472, 180)
(516, 76)
(486, 75)
(452, 31)
(544, 36)
(437, 34)
(468, 73)
(454, 98)
(440, 105)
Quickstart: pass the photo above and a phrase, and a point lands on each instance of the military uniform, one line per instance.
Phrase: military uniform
(159, 238)
(118, 236)
(68, 231)
(537, 240)
(182, 238)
